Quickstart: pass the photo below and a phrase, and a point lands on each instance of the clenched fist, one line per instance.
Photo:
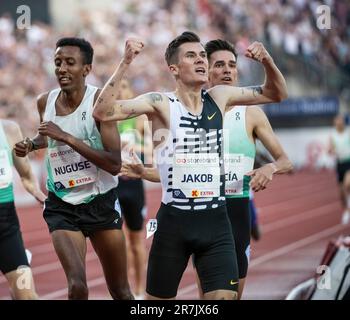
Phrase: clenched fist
(23, 147)
(133, 47)
(258, 52)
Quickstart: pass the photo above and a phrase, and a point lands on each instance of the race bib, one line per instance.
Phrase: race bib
(196, 175)
(236, 166)
(69, 168)
(5, 169)
(151, 227)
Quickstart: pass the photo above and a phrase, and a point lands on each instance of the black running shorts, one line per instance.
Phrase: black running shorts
(204, 233)
(132, 201)
(342, 168)
(238, 213)
(102, 213)
(12, 252)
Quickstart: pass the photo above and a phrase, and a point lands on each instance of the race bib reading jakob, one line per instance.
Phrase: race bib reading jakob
(196, 175)
(69, 168)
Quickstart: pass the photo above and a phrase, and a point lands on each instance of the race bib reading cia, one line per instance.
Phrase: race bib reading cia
(5, 169)
(236, 166)
(69, 168)
(196, 175)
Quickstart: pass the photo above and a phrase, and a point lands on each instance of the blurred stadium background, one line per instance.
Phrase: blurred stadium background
(315, 61)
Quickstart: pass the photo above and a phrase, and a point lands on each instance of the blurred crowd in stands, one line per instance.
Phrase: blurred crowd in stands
(287, 26)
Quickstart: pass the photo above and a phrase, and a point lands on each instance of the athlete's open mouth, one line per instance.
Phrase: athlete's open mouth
(200, 70)
(226, 79)
(64, 79)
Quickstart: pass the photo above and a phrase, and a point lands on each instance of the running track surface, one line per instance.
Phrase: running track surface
(299, 214)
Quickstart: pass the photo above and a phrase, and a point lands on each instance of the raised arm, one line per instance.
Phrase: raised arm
(125, 109)
(107, 108)
(22, 164)
(263, 131)
(273, 90)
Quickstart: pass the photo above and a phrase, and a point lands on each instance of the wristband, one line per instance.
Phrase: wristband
(33, 146)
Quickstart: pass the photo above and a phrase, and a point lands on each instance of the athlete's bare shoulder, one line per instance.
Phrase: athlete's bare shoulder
(12, 129)
(256, 110)
(217, 94)
(157, 99)
(257, 120)
(216, 90)
(41, 101)
(159, 102)
(161, 109)
(255, 114)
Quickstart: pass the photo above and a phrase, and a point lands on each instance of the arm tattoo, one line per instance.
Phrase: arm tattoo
(111, 84)
(156, 97)
(257, 90)
(110, 112)
(100, 100)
